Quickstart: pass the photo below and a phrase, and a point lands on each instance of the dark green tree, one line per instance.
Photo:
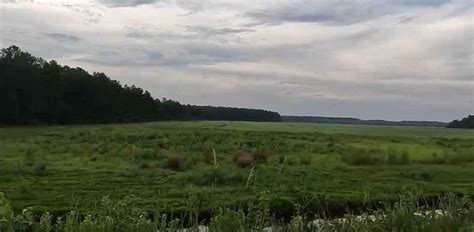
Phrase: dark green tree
(34, 91)
(467, 122)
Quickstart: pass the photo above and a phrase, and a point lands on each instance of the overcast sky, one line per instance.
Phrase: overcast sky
(379, 59)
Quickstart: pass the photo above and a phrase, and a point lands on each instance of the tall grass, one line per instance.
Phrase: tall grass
(448, 213)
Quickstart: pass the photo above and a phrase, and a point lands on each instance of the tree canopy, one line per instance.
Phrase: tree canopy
(467, 122)
(36, 91)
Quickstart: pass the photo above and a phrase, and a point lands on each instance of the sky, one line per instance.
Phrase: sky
(379, 59)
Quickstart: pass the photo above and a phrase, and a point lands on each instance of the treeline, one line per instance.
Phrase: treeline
(36, 91)
(467, 122)
(341, 120)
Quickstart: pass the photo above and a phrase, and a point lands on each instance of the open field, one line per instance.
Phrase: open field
(324, 167)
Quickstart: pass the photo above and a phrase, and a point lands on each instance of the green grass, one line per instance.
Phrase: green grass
(332, 166)
(448, 213)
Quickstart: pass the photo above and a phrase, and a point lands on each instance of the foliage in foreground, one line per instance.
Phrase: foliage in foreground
(450, 213)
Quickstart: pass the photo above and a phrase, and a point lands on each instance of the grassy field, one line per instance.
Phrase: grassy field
(323, 167)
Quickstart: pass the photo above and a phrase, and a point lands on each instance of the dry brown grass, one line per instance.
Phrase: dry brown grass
(243, 159)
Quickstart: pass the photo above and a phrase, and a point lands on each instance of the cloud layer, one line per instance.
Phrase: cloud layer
(390, 59)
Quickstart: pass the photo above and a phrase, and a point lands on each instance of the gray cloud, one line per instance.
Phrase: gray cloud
(209, 32)
(62, 37)
(391, 59)
(192, 32)
(124, 57)
(328, 12)
(125, 3)
(338, 12)
(420, 2)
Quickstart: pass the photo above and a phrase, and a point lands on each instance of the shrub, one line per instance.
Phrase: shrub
(242, 159)
(237, 154)
(245, 161)
(175, 163)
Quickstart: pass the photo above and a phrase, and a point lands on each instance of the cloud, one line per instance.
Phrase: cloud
(420, 2)
(122, 58)
(327, 12)
(390, 59)
(126, 3)
(338, 12)
(209, 32)
(62, 37)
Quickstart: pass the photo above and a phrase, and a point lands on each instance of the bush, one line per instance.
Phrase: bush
(245, 161)
(242, 159)
(175, 163)
(237, 154)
